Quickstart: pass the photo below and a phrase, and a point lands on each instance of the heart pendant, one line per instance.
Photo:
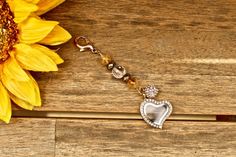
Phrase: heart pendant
(155, 112)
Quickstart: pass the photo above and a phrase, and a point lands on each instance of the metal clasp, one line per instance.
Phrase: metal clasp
(85, 44)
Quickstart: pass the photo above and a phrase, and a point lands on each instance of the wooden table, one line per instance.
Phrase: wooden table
(186, 48)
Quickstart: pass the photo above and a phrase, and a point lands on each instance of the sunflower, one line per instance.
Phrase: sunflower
(22, 36)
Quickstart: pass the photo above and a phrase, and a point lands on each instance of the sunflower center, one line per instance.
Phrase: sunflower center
(8, 31)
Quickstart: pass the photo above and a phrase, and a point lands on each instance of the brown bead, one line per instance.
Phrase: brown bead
(126, 77)
(106, 59)
(132, 82)
(111, 65)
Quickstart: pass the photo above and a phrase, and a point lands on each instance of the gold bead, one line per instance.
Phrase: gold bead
(106, 59)
(133, 83)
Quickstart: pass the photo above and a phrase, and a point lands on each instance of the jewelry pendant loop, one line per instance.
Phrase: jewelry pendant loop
(84, 44)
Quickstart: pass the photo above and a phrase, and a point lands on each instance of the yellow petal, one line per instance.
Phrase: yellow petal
(46, 5)
(32, 1)
(13, 70)
(56, 37)
(21, 9)
(33, 59)
(50, 53)
(37, 99)
(21, 89)
(35, 29)
(36, 90)
(21, 103)
(5, 104)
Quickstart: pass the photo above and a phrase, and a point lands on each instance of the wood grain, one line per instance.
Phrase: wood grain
(206, 15)
(87, 138)
(27, 137)
(186, 48)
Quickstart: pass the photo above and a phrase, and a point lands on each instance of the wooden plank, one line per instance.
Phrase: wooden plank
(27, 137)
(186, 48)
(193, 88)
(135, 138)
(210, 15)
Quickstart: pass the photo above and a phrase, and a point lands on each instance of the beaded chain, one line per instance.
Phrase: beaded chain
(153, 112)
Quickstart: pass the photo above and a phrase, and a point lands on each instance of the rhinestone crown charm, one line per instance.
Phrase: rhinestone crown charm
(150, 91)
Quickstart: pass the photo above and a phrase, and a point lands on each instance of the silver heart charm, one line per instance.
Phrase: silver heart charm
(155, 112)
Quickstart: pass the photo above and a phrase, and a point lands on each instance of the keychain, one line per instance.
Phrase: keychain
(153, 112)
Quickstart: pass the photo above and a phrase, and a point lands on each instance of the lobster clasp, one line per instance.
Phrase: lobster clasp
(84, 44)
